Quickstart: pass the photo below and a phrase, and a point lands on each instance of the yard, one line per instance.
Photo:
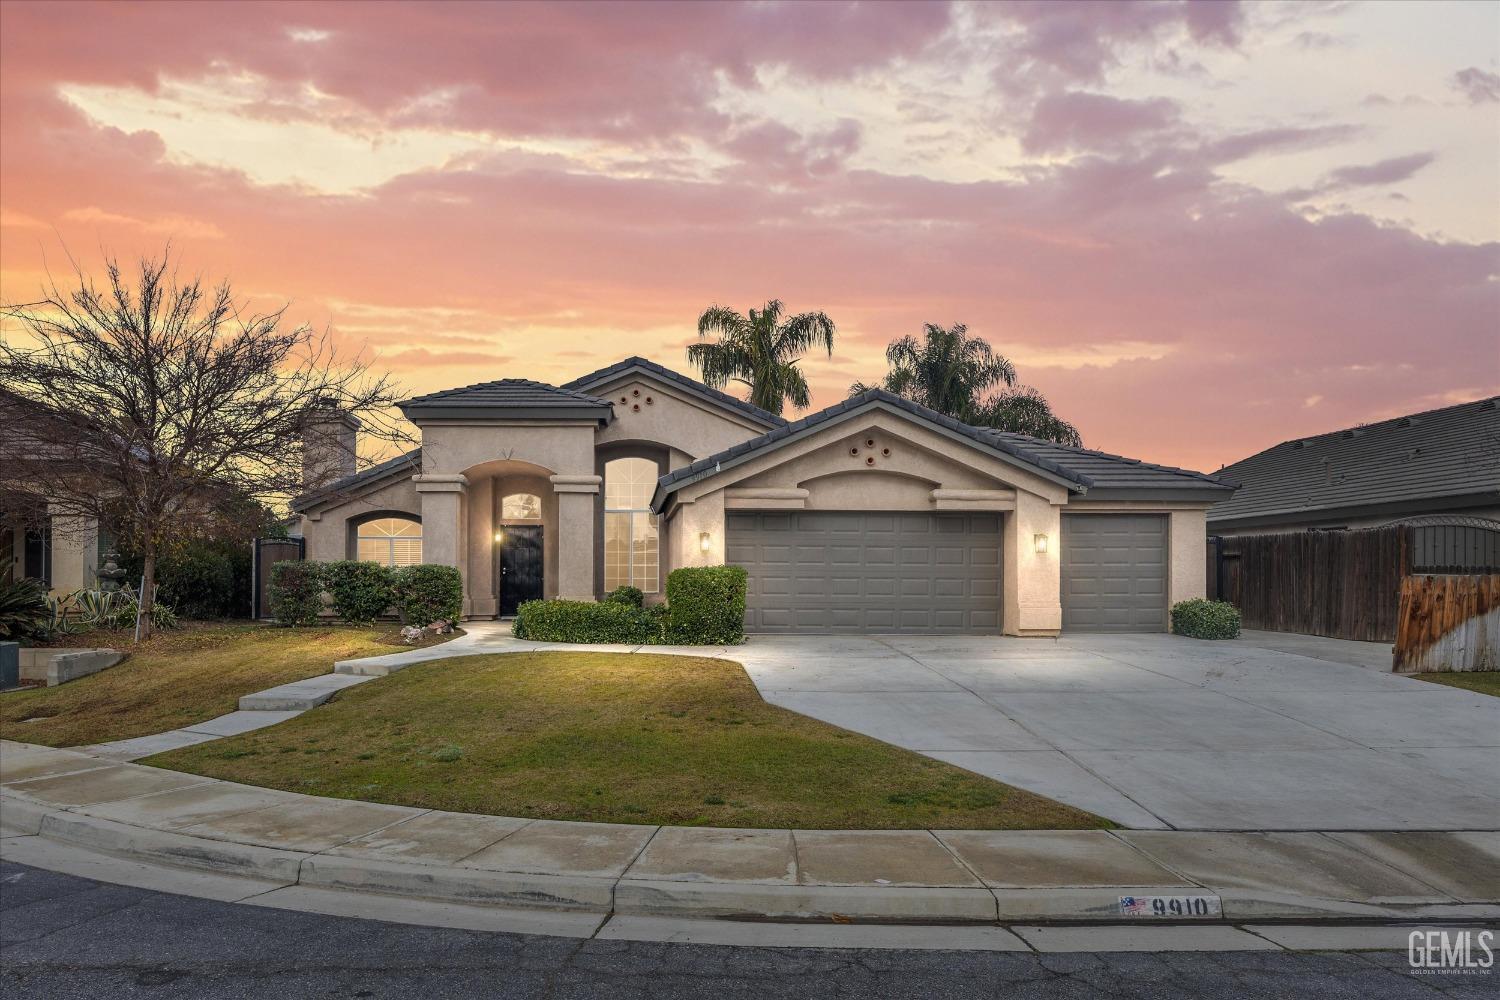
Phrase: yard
(176, 678)
(644, 738)
(1478, 681)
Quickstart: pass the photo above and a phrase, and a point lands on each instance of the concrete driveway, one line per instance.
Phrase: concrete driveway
(1156, 731)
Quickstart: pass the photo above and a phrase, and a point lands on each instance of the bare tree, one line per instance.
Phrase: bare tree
(155, 404)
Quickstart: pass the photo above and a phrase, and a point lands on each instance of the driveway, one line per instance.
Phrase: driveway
(1155, 731)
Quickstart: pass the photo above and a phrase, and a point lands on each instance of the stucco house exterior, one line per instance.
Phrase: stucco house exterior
(873, 515)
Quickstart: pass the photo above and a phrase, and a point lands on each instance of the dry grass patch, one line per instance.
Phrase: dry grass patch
(177, 678)
(1478, 681)
(613, 738)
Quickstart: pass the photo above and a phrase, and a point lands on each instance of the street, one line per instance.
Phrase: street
(68, 937)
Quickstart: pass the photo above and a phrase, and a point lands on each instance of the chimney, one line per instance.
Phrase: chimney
(328, 440)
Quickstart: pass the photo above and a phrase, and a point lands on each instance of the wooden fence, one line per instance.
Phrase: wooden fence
(1344, 584)
(1448, 623)
(266, 553)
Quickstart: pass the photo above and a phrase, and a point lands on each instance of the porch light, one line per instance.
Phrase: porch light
(703, 541)
(499, 536)
(1040, 542)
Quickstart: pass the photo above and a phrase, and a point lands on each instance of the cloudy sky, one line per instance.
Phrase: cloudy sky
(1199, 228)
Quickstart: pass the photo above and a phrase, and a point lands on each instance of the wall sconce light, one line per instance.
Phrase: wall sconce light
(703, 541)
(500, 536)
(1040, 542)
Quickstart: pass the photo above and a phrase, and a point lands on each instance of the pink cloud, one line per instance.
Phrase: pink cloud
(1081, 120)
(1479, 86)
(1389, 171)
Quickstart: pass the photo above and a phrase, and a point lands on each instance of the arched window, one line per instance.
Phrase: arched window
(521, 507)
(390, 541)
(631, 554)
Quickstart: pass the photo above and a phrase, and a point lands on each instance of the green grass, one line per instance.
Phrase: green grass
(1478, 681)
(176, 678)
(612, 738)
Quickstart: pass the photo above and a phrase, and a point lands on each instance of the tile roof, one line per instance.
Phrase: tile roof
(506, 393)
(412, 458)
(1081, 469)
(1454, 451)
(676, 378)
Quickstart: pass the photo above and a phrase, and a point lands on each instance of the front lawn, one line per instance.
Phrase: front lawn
(1478, 681)
(610, 737)
(178, 677)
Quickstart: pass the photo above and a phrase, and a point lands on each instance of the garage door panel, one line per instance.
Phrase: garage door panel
(863, 572)
(1114, 575)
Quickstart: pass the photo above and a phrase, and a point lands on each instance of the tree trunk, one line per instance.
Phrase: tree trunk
(148, 588)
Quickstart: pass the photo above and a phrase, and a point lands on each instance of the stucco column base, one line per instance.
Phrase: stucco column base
(577, 499)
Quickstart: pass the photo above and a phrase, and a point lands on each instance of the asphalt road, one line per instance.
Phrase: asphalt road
(68, 937)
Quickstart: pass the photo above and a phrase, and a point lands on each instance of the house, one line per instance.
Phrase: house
(41, 539)
(873, 515)
(1441, 463)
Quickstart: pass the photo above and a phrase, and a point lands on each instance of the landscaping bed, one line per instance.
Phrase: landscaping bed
(179, 677)
(608, 737)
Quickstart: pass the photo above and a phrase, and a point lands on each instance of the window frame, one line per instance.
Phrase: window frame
(634, 576)
(390, 540)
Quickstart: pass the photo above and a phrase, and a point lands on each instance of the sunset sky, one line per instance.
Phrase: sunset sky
(1198, 228)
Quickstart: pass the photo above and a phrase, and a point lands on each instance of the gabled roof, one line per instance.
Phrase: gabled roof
(639, 365)
(514, 398)
(1078, 469)
(353, 484)
(1451, 452)
(1111, 472)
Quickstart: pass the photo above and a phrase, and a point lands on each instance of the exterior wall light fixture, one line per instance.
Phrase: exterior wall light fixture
(703, 541)
(500, 535)
(1040, 542)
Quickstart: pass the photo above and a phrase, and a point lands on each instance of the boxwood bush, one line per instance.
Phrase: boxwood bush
(627, 595)
(360, 591)
(706, 605)
(1203, 619)
(296, 592)
(425, 593)
(586, 621)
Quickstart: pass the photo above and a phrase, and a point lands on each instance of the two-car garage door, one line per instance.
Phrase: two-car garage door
(815, 571)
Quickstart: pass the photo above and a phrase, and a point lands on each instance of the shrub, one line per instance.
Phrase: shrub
(706, 605)
(627, 595)
(201, 578)
(296, 592)
(360, 591)
(23, 610)
(586, 621)
(1203, 619)
(425, 593)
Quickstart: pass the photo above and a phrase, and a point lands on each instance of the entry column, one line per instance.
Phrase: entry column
(443, 534)
(577, 502)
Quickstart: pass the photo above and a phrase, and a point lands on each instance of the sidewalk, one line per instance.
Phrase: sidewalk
(920, 876)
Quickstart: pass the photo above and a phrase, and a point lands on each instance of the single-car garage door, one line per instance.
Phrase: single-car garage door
(1114, 573)
(814, 571)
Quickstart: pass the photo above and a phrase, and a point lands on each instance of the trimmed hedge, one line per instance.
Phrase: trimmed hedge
(627, 595)
(587, 621)
(706, 605)
(1201, 619)
(425, 593)
(296, 592)
(360, 591)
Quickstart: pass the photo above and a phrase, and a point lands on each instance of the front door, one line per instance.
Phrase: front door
(520, 567)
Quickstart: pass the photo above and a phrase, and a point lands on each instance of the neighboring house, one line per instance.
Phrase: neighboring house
(1441, 462)
(38, 540)
(874, 515)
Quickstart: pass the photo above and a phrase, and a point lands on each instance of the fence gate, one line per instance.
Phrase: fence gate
(268, 552)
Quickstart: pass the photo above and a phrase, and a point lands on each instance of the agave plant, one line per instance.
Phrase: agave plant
(24, 612)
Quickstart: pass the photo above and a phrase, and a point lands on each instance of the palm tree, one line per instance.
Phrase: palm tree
(962, 376)
(760, 352)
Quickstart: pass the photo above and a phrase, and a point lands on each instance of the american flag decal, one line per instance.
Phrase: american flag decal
(1131, 906)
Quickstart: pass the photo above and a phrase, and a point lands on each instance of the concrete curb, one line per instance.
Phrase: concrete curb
(471, 886)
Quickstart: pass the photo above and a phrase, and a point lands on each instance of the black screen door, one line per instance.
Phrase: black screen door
(520, 566)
